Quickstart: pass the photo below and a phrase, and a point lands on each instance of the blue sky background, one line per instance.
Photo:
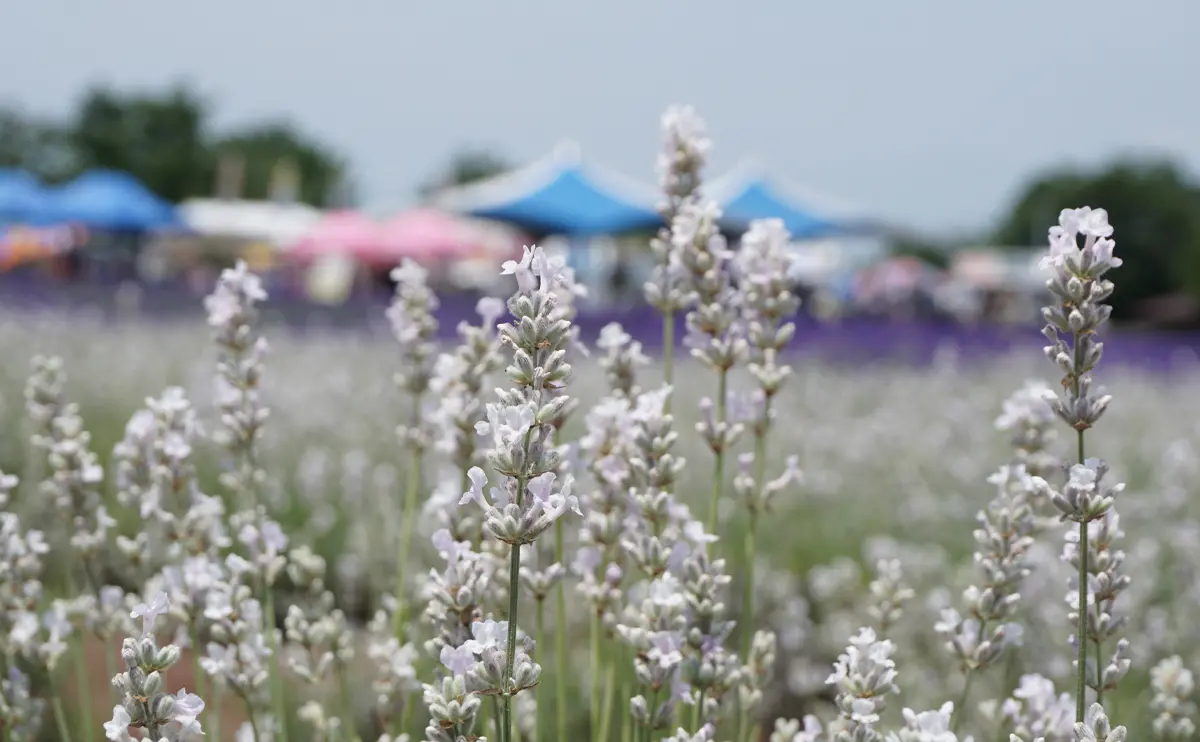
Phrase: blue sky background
(928, 112)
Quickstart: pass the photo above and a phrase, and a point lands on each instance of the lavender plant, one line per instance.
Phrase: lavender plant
(211, 531)
(1079, 287)
(680, 171)
(520, 423)
(413, 323)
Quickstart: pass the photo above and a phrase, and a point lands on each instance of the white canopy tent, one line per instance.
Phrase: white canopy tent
(260, 221)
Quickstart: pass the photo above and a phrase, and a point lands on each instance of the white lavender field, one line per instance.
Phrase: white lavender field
(895, 461)
(521, 538)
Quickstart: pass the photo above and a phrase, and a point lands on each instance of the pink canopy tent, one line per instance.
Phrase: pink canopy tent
(348, 233)
(425, 235)
(429, 235)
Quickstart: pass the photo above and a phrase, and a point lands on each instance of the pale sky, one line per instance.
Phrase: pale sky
(930, 113)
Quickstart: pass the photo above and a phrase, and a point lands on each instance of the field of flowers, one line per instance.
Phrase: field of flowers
(523, 536)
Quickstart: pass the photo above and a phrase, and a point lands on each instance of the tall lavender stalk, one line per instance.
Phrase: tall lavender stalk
(1079, 289)
(714, 325)
(233, 315)
(768, 303)
(521, 423)
(680, 165)
(415, 328)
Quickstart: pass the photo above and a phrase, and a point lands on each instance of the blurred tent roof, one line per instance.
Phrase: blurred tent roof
(22, 197)
(1013, 268)
(266, 221)
(108, 200)
(345, 232)
(426, 234)
(559, 194)
(747, 193)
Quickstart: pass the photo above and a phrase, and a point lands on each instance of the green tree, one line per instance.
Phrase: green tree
(931, 252)
(159, 139)
(31, 144)
(322, 175)
(1154, 208)
(164, 140)
(466, 167)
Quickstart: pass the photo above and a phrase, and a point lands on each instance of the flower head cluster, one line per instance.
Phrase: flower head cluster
(20, 710)
(1174, 689)
(926, 726)
(622, 357)
(1105, 583)
(452, 710)
(233, 315)
(889, 592)
(144, 703)
(756, 674)
(481, 659)
(1003, 539)
(155, 473)
(863, 677)
(396, 674)
(791, 730)
(455, 595)
(74, 484)
(714, 323)
(411, 316)
(1037, 711)
(685, 148)
(521, 423)
(710, 669)
(1096, 727)
(763, 266)
(317, 627)
(458, 379)
(680, 170)
(22, 557)
(1079, 288)
(45, 397)
(1028, 417)
(654, 630)
(759, 497)
(238, 654)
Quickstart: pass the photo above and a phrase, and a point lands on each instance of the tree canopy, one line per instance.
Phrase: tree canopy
(166, 140)
(1154, 208)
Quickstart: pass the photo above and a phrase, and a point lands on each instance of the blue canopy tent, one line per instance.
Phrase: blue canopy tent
(22, 198)
(746, 194)
(117, 209)
(110, 201)
(558, 195)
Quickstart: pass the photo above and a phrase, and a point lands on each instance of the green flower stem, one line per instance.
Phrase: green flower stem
(83, 686)
(560, 638)
(497, 717)
(60, 719)
(349, 718)
(595, 705)
(201, 685)
(218, 713)
(959, 708)
(610, 677)
(1081, 630)
(412, 489)
(719, 466)
(278, 701)
(668, 333)
(514, 593)
(514, 596)
(540, 726)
